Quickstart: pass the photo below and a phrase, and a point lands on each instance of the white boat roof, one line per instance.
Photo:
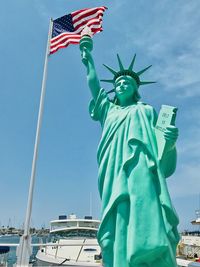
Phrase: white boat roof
(74, 223)
(74, 220)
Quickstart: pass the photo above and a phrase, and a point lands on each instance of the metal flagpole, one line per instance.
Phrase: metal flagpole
(24, 250)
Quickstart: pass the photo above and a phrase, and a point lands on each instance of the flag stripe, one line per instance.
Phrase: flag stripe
(97, 14)
(87, 13)
(78, 13)
(67, 29)
(65, 33)
(65, 42)
(88, 23)
(63, 38)
(64, 45)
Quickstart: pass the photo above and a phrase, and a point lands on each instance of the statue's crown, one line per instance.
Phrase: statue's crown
(129, 71)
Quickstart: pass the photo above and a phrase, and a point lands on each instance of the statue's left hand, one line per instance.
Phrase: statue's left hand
(168, 160)
(171, 135)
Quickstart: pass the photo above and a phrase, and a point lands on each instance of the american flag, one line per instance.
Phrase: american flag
(67, 29)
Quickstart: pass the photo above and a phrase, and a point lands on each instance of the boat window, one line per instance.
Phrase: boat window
(60, 225)
(89, 249)
(88, 224)
(76, 233)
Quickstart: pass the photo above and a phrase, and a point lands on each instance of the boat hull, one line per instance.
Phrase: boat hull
(43, 260)
(82, 252)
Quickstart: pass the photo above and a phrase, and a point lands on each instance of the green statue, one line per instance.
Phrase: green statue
(139, 224)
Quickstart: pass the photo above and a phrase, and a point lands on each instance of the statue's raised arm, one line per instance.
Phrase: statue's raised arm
(86, 45)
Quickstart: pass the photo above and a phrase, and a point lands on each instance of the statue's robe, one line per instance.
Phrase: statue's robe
(138, 224)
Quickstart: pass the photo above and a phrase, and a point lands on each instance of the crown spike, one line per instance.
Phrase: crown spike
(107, 81)
(120, 63)
(110, 69)
(142, 71)
(132, 63)
(129, 71)
(144, 83)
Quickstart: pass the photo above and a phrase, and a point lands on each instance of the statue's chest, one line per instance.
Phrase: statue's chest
(117, 115)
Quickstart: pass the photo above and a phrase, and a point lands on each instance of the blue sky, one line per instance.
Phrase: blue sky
(163, 33)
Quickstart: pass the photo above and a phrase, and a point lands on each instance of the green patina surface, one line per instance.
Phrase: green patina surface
(139, 224)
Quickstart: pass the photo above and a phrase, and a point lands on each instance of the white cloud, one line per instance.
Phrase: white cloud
(168, 37)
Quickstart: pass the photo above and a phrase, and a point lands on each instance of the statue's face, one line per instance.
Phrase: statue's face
(125, 88)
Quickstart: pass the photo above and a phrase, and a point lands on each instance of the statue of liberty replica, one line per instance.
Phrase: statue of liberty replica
(138, 222)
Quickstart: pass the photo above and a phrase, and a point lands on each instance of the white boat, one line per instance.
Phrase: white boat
(73, 243)
(189, 247)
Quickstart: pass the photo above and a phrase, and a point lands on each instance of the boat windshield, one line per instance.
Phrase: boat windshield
(75, 234)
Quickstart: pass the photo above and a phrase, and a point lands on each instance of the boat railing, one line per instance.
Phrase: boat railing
(48, 244)
(191, 233)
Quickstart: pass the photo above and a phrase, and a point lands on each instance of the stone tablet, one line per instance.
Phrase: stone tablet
(166, 117)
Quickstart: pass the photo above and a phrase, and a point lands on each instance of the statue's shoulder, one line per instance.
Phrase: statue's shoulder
(147, 109)
(145, 106)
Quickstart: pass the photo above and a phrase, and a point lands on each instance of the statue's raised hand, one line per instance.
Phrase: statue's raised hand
(86, 57)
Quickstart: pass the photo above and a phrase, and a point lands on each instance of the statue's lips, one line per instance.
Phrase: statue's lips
(122, 90)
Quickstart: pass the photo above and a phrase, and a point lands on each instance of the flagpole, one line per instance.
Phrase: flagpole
(24, 250)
